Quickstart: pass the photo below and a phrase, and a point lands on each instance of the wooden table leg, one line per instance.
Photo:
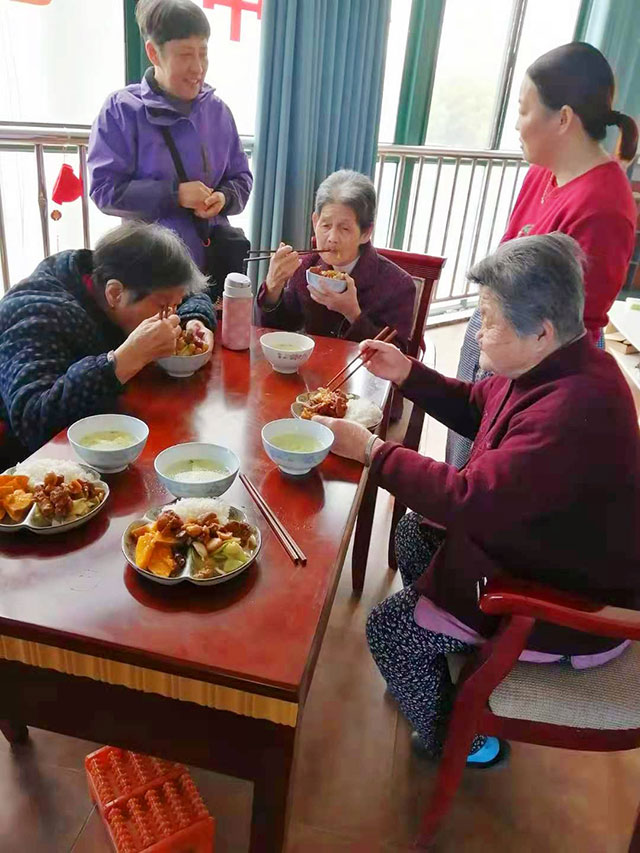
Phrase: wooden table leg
(269, 814)
(244, 747)
(362, 536)
(14, 732)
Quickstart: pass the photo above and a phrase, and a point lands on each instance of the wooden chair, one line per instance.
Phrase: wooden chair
(425, 271)
(548, 704)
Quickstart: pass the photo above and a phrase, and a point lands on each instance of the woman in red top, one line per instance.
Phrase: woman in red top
(573, 185)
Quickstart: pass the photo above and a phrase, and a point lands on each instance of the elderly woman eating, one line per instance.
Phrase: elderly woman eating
(378, 292)
(85, 322)
(551, 492)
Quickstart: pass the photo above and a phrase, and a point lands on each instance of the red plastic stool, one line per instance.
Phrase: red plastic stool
(148, 804)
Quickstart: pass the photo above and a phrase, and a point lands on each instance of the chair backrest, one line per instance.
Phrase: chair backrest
(425, 271)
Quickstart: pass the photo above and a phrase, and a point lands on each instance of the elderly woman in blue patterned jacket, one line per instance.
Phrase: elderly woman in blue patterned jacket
(85, 322)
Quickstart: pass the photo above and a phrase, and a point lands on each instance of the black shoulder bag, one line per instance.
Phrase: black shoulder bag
(226, 247)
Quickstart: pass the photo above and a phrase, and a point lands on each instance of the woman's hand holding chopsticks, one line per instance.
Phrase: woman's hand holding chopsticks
(282, 266)
(387, 362)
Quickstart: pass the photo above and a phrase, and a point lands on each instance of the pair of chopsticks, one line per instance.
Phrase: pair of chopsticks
(165, 311)
(386, 336)
(266, 254)
(286, 539)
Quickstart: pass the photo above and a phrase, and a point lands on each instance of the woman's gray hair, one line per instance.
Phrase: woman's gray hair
(535, 279)
(352, 189)
(145, 257)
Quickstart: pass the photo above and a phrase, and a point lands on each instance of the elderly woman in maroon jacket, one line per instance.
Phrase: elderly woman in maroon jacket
(378, 292)
(551, 492)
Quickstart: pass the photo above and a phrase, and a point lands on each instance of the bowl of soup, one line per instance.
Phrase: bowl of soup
(296, 446)
(286, 351)
(197, 469)
(108, 443)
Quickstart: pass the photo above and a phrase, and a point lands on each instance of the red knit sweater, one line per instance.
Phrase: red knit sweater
(551, 491)
(596, 209)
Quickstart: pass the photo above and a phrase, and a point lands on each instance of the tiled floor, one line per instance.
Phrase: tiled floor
(357, 787)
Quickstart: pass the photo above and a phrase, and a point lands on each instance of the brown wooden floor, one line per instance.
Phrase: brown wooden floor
(357, 787)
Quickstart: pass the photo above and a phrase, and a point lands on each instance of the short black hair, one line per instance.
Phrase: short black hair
(144, 258)
(166, 20)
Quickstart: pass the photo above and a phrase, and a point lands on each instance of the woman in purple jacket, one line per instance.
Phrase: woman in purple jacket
(551, 492)
(131, 169)
(378, 292)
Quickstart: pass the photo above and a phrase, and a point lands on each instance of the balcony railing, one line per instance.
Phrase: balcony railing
(37, 150)
(448, 202)
(440, 201)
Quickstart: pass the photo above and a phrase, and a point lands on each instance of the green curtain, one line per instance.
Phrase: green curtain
(136, 61)
(418, 74)
(321, 76)
(613, 26)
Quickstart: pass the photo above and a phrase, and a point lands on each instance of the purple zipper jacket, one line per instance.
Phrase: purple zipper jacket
(131, 171)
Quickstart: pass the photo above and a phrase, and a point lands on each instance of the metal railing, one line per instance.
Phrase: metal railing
(439, 201)
(41, 140)
(453, 203)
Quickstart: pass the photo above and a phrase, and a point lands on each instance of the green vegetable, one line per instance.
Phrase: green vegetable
(231, 556)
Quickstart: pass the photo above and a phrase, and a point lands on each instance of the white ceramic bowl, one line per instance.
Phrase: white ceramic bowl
(292, 461)
(183, 365)
(108, 461)
(286, 361)
(338, 285)
(215, 453)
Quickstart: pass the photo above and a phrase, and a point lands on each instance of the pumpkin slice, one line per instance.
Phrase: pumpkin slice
(17, 504)
(144, 549)
(162, 562)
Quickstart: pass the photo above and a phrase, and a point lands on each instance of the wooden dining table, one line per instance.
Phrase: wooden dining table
(216, 677)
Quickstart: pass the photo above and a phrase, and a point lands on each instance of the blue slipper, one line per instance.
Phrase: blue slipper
(492, 752)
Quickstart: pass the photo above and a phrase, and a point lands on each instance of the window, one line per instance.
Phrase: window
(233, 73)
(233, 65)
(468, 71)
(59, 62)
(537, 38)
(398, 32)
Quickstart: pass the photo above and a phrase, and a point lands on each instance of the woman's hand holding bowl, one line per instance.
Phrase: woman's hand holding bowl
(281, 267)
(388, 362)
(350, 440)
(201, 333)
(153, 338)
(345, 303)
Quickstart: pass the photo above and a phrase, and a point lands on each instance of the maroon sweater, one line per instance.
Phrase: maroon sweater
(385, 292)
(551, 492)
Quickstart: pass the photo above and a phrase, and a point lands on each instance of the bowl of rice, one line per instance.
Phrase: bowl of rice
(327, 279)
(109, 443)
(196, 469)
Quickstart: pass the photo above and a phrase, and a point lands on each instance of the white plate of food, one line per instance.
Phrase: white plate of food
(337, 404)
(203, 541)
(49, 496)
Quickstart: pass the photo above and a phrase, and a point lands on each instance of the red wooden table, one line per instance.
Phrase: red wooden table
(214, 677)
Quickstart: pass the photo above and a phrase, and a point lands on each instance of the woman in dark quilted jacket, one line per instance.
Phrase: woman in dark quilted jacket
(85, 322)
